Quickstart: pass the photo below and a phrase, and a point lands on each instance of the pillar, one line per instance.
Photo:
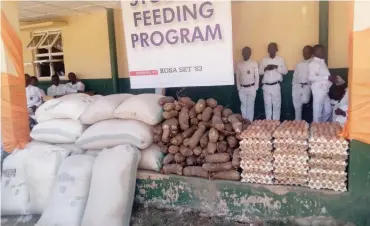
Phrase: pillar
(14, 114)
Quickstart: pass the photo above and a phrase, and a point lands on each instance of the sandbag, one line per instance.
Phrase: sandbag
(69, 196)
(151, 158)
(57, 131)
(103, 108)
(14, 190)
(66, 107)
(143, 107)
(41, 170)
(112, 187)
(113, 132)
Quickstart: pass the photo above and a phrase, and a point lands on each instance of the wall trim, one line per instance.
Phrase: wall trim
(324, 26)
(112, 50)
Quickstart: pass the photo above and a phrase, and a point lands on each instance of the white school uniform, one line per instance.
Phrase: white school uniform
(318, 76)
(59, 90)
(247, 81)
(79, 86)
(301, 88)
(343, 105)
(272, 93)
(34, 98)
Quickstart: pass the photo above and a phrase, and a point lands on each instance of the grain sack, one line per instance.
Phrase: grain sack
(113, 132)
(112, 187)
(66, 107)
(103, 108)
(71, 147)
(41, 170)
(57, 131)
(69, 196)
(14, 190)
(143, 107)
(151, 158)
(93, 152)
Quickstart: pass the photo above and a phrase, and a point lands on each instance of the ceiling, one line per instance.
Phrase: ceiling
(44, 10)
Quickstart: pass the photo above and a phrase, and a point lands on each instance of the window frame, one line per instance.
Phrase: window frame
(47, 46)
(43, 34)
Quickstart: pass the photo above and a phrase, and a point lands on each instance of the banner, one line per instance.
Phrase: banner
(178, 43)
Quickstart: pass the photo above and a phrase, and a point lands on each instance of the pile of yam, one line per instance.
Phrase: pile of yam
(200, 139)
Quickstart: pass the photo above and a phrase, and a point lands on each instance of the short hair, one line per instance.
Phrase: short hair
(54, 76)
(27, 75)
(34, 78)
(71, 73)
(318, 46)
(273, 43)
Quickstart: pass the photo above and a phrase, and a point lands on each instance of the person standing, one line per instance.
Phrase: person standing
(57, 89)
(272, 68)
(301, 89)
(321, 80)
(74, 83)
(247, 82)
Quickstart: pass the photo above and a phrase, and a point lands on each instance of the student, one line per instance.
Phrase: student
(321, 80)
(247, 82)
(272, 68)
(33, 95)
(301, 89)
(340, 110)
(35, 82)
(74, 83)
(57, 89)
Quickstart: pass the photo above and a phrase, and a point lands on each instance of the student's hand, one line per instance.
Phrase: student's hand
(339, 111)
(268, 67)
(332, 78)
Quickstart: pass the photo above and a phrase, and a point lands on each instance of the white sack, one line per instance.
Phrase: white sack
(143, 107)
(93, 152)
(151, 158)
(71, 147)
(14, 190)
(103, 108)
(113, 132)
(112, 187)
(66, 107)
(69, 196)
(41, 170)
(57, 131)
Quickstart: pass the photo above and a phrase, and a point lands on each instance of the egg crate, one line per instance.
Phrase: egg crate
(256, 156)
(290, 175)
(291, 182)
(290, 141)
(256, 148)
(260, 129)
(328, 178)
(338, 165)
(260, 169)
(327, 174)
(328, 153)
(255, 141)
(290, 146)
(325, 184)
(255, 151)
(256, 162)
(257, 171)
(257, 181)
(322, 145)
(256, 144)
(301, 169)
(257, 178)
(299, 158)
(293, 152)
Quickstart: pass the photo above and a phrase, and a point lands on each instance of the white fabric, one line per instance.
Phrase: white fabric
(143, 107)
(272, 102)
(69, 196)
(34, 96)
(246, 74)
(78, 86)
(301, 93)
(112, 187)
(318, 76)
(93, 152)
(247, 98)
(103, 108)
(343, 105)
(275, 75)
(42, 92)
(72, 148)
(14, 189)
(61, 89)
(58, 131)
(151, 158)
(113, 132)
(41, 170)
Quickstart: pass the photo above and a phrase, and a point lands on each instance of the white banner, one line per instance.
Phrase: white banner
(178, 43)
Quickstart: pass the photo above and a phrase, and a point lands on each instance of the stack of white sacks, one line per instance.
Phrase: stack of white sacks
(117, 129)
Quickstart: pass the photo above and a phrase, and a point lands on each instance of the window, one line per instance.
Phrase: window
(48, 53)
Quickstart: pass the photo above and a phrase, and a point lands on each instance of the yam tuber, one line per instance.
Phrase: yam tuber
(165, 100)
(168, 158)
(157, 138)
(232, 141)
(192, 113)
(185, 151)
(207, 114)
(211, 147)
(171, 123)
(166, 135)
(189, 132)
(170, 114)
(218, 110)
(227, 175)
(197, 151)
(230, 151)
(169, 106)
(217, 158)
(212, 103)
(221, 137)
(194, 140)
(207, 124)
(178, 106)
(177, 140)
(200, 106)
(186, 102)
(236, 123)
(184, 118)
(204, 140)
(199, 117)
(194, 121)
(172, 169)
(200, 160)
(204, 153)
(158, 129)
(186, 142)
(216, 119)
(221, 146)
(227, 112)
(213, 135)
(173, 149)
(196, 171)
(214, 167)
(179, 158)
(191, 160)
(163, 148)
(225, 120)
(236, 158)
(229, 127)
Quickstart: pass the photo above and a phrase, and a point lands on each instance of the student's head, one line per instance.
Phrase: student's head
(55, 80)
(307, 52)
(27, 79)
(246, 53)
(319, 51)
(272, 48)
(34, 81)
(72, 77)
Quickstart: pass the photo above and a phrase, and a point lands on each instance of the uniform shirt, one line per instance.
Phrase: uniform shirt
(34, 96)
(301, 73)
(319, 74)
(42, 92)
(79, 86)
(343, 105)
(275, 75)
(247, 74)
(59, 90)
